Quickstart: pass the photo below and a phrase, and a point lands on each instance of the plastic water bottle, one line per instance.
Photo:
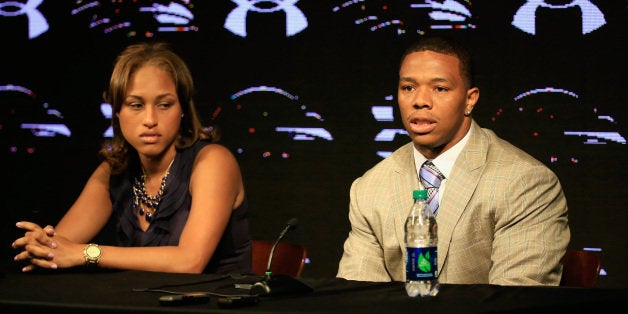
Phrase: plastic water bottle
(421, 248)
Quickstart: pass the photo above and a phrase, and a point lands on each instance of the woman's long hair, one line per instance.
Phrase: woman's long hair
(117, 151)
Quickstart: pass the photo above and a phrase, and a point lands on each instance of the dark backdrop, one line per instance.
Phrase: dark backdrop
(554, 86)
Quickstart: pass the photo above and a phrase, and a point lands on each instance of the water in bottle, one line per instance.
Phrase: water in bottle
(421, 248)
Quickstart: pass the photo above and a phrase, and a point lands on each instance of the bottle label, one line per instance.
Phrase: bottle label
(421, 263)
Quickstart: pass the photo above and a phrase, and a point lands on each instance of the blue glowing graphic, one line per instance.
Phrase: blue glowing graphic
(388, 135)
(263, 88)
(415, 16)
(24, 118)
(302, 133)
(267, 121)
(554, 125)
(545, 90)
(383, 113)
(592, 137)
(595, 137)
(107, 112)
(37, 23)
(448, 10)
(130, 17)
(306, 134)
(385, 117)
(525, 17)
(296, 21)
(47, 129)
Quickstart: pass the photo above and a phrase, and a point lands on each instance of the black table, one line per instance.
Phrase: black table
(80, 291)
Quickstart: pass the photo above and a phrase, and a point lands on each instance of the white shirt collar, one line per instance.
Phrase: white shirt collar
(445, 161)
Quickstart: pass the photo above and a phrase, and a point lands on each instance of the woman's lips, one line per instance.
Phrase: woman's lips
(150, 138)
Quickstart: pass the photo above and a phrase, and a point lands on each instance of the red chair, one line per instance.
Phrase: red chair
(580, 269)
(288, 258)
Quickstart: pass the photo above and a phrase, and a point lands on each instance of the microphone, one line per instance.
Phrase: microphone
(290, 225)
(279, 284)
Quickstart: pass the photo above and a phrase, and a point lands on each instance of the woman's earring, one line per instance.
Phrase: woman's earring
(467, 113)
(183, 114)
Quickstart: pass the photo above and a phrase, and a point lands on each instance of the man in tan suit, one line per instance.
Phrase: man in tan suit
(503, 215)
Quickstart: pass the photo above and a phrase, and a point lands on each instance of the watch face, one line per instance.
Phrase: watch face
(92, 251)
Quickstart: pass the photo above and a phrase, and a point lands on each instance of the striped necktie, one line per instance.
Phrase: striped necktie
(430, 179)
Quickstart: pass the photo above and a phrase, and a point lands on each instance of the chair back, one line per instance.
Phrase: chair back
(288, 258)
(580, 269)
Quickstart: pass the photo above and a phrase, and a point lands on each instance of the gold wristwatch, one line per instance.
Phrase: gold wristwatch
(92, 254)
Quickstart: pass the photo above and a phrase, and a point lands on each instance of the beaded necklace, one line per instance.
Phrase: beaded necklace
(150, 202)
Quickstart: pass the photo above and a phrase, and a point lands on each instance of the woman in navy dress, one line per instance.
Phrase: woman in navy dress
(178, 197)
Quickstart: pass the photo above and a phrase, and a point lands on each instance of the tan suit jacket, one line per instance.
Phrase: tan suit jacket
(502, 219)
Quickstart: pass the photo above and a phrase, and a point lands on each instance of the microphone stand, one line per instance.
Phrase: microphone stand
(279, 284)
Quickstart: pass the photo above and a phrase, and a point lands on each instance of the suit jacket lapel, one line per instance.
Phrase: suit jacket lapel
(405, 182)
(463, 180)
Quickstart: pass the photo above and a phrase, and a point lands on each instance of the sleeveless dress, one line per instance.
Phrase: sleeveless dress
(233, 253)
